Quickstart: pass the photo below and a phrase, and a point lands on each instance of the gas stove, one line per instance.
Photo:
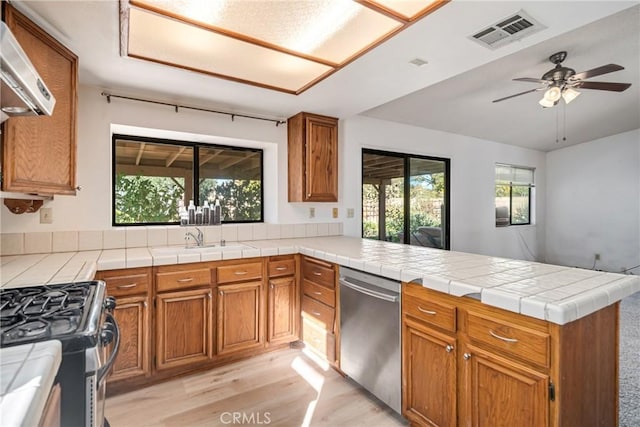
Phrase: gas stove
(66, 312)
(79, 316)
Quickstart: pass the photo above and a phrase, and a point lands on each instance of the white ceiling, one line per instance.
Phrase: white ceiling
(440, 95)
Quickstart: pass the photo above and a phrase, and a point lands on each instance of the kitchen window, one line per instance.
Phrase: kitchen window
(152, 176)
(405, 198)
(513, 195)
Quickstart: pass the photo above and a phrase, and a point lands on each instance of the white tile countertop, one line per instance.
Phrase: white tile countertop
(27, 373)
(549, 292)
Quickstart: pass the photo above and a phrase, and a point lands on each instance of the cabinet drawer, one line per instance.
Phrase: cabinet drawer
(282, 267)
(318, 273)
(183, 279)
(239, 272)
(130, 283)
(527, 344)
(439, 314)
(320, 293)
(319, 339)
(318, 312)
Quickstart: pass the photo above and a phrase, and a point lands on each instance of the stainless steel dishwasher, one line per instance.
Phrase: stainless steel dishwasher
(370, 334)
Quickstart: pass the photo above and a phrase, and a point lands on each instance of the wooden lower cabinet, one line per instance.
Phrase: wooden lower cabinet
(282, 310)
(468, 364)
(132, 315)
(430, 388)
(239, 326)
(502, 393)
(184, 328)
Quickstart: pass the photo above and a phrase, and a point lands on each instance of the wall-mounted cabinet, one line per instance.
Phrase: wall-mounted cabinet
(313, 158)
(39, 153)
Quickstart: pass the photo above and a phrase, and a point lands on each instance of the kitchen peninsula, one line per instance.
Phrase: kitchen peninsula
(557, 313)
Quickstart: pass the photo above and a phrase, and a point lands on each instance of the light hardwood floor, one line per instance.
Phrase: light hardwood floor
(283, 388)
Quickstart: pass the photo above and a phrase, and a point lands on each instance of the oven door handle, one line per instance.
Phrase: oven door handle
(113, 329)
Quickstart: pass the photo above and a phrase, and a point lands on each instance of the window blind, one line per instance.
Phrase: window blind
(514, 175)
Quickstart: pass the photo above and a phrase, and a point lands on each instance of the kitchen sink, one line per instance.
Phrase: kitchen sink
(176, 250)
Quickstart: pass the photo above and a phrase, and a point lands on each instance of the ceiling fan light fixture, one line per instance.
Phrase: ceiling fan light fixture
(569, 94)
(546, 103)
(553, 94)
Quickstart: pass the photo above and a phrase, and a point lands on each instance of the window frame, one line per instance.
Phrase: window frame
(406, 157)
(196, 174)
(511, 185)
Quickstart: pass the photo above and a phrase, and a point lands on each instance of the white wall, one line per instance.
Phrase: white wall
(472, 166)
(91, 208)
(472, 183)
(593, 200)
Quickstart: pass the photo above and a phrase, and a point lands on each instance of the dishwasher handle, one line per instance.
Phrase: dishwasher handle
(368, 291)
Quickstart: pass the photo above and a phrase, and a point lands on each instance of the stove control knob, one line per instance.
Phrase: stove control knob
(106, 336)
(110, 304)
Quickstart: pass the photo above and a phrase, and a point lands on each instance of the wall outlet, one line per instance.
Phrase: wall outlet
(46, 215)
(312, 212)
(350, 213)
(335, 212)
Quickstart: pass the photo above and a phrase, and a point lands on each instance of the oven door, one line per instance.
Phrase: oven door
(96, 385)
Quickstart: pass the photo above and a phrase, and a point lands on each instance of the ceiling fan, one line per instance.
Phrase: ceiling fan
(562, 82)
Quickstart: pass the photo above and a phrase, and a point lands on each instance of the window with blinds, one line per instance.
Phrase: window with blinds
(513, 195)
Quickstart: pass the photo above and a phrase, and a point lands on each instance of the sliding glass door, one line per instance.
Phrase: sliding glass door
(405, 198)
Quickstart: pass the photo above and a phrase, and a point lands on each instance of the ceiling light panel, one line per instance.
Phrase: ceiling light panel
(286, 45)
(167, 41)
(330, 30)
(409, 9)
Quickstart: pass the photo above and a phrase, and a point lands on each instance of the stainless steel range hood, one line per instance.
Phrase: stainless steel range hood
(23, 93)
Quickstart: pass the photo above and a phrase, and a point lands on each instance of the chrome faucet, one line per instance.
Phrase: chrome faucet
(199, 238)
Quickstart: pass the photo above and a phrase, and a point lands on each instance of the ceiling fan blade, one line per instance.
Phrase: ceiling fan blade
(615, 87)
(518, 94)
(609, 68)
(529, 79)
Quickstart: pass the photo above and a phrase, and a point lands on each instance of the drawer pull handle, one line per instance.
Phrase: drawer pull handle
(240, 273)
(133, 285)
(449, 348)
(281, 268)
(317, 293)
(315, 313)
(432, 313)
(493, 334)
(317, 273)
(188, 279)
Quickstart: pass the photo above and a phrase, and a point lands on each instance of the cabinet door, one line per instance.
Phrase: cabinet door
(321, 159)
(429, 372)
(239, 312)
(39, 153)
(500, 393)
(132, 315)
(282, 309)
(184, 323)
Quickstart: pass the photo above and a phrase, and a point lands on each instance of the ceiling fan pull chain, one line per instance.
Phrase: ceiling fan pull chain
(556, 126)
(564, 120)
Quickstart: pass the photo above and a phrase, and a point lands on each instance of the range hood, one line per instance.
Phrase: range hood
(23, 93)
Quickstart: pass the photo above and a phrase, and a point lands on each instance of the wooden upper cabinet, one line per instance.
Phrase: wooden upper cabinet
(39, 153)
(313, 158)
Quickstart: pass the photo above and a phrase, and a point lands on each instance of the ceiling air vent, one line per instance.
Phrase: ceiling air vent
(507, 30)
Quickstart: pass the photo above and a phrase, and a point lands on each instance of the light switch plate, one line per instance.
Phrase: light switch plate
(312, 212)
(46, 215)
(350, 213)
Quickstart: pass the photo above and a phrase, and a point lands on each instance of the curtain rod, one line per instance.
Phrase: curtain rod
(178, 106)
